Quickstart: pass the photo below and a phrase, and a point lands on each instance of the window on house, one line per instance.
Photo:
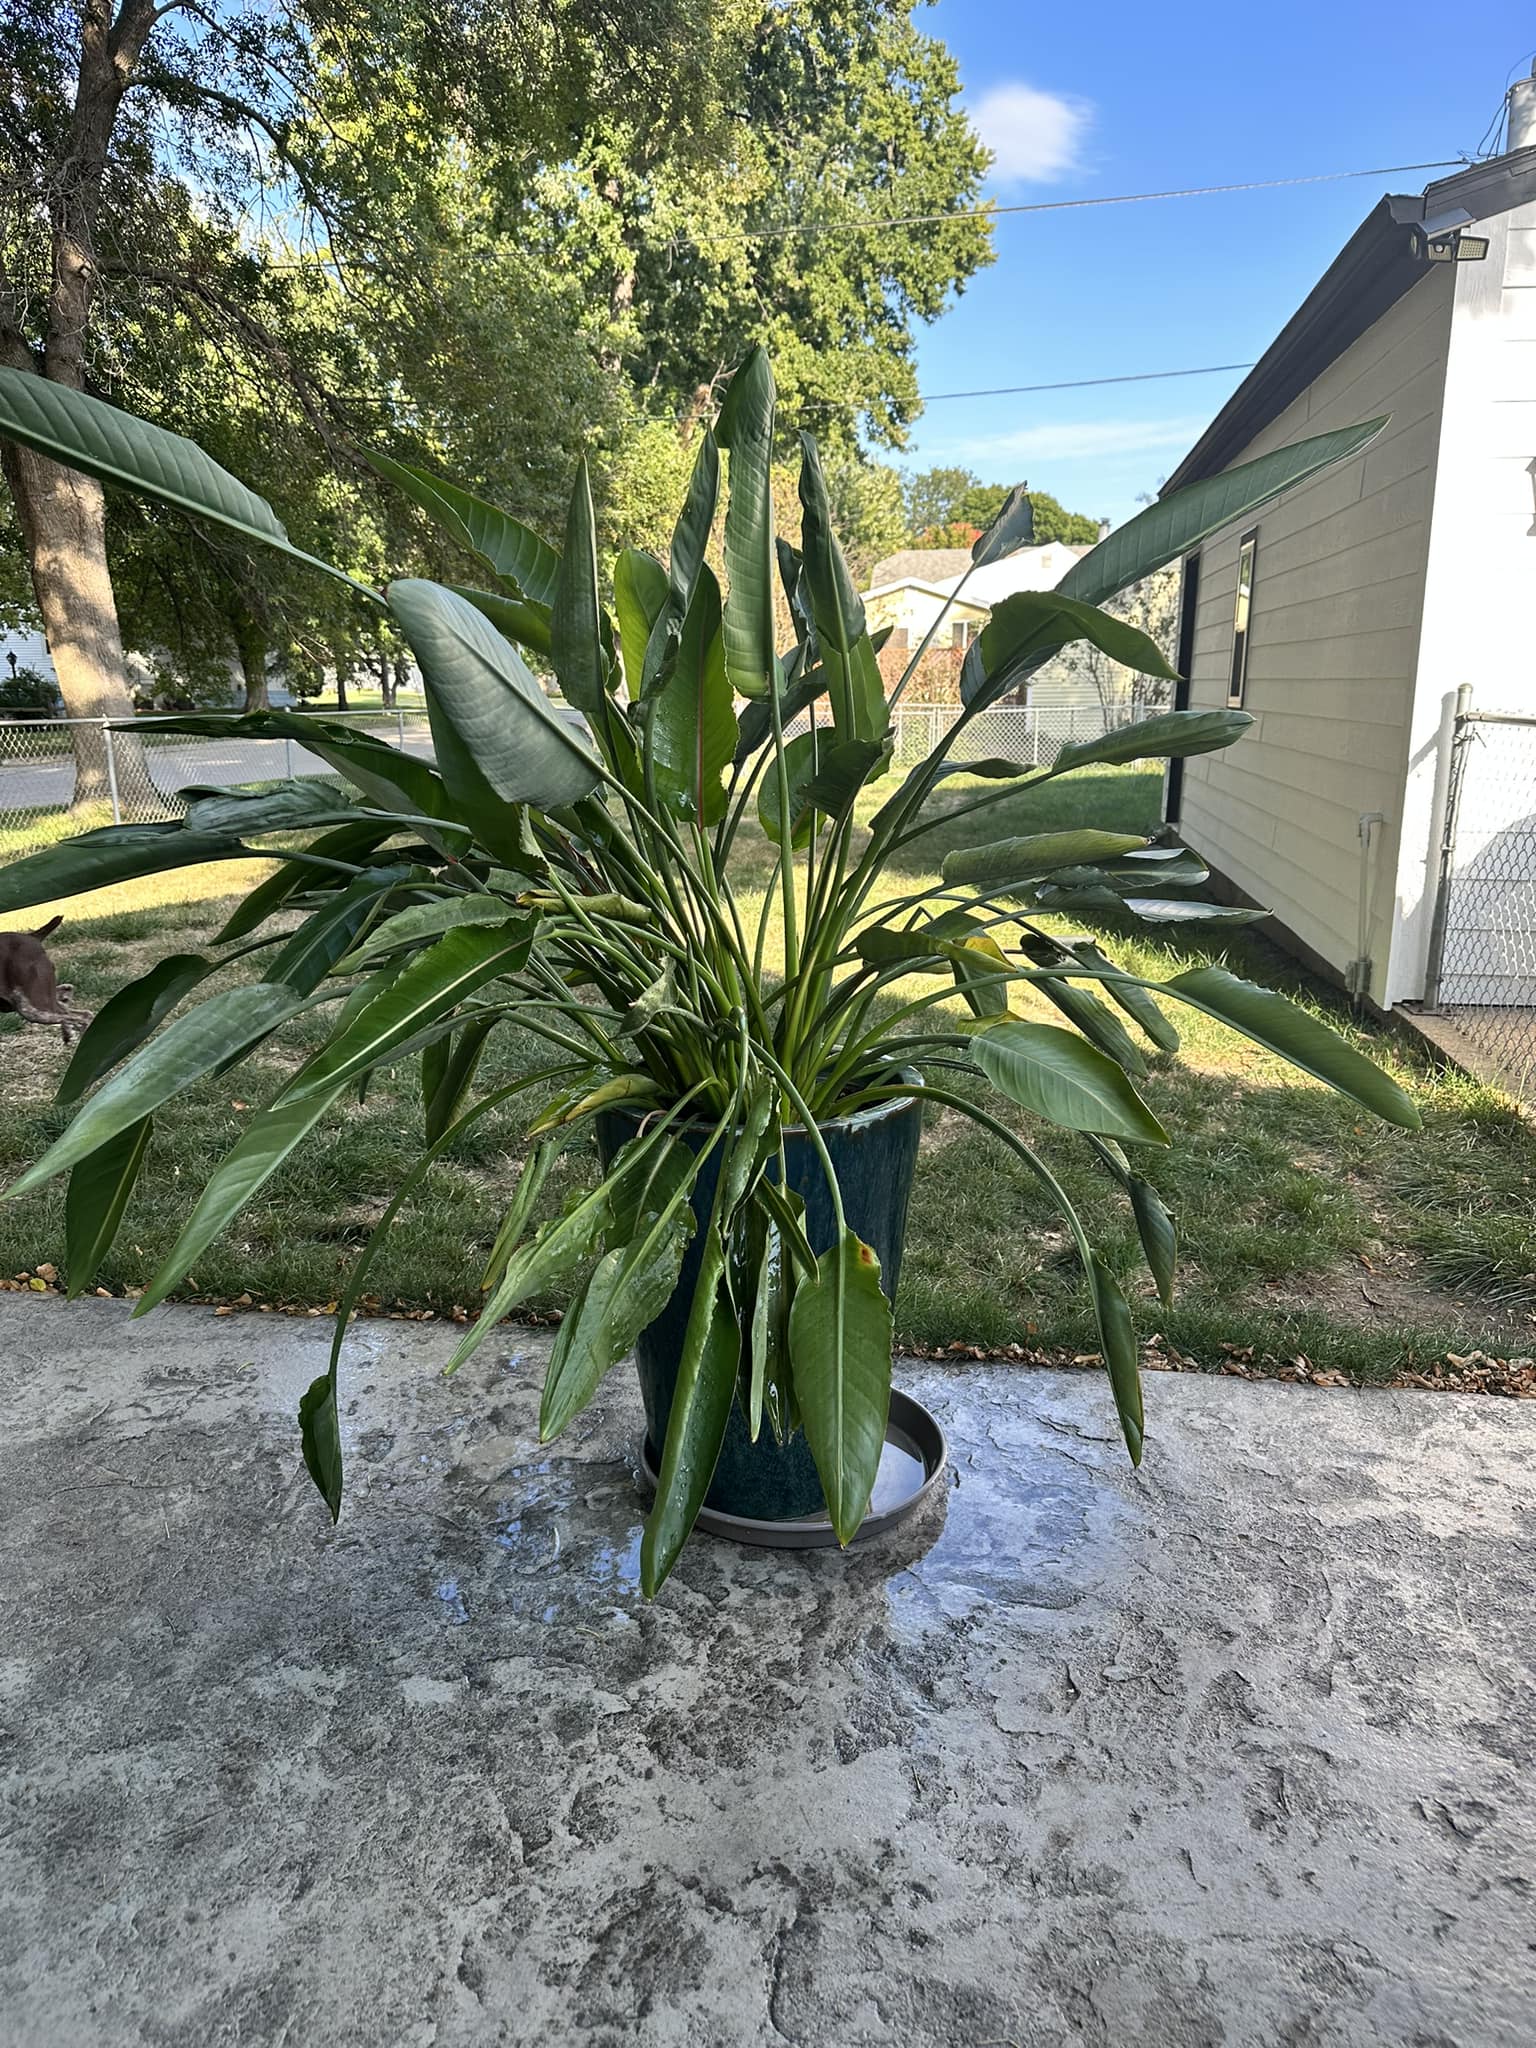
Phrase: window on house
(900, 639)
(963, 632)
(1247, 552)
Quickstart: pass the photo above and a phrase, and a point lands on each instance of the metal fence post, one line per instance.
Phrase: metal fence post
(106, 740)
(1032, 719)
(288, 757)
(1461, 734)
(400, 724)
(1071, 723)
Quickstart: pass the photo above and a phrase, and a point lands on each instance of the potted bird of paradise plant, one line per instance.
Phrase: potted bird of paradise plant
(756, 1105)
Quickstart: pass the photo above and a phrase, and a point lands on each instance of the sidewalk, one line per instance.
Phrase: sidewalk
(1234, 1752)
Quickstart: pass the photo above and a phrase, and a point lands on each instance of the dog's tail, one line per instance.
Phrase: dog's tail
(51, 926)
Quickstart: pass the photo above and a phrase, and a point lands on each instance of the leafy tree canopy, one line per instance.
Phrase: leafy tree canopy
(948, 507)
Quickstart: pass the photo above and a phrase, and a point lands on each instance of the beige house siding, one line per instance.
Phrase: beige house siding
(1333, 646)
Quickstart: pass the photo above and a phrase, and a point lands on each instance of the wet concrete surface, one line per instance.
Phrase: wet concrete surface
(1232, 1751)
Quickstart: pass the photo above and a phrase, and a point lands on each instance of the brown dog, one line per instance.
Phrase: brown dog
(28, 986)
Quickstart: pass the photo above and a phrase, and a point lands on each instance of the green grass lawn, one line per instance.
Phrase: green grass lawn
(1307, 1228)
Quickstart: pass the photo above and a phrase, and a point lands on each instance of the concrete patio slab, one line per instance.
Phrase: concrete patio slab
(1231, 1751)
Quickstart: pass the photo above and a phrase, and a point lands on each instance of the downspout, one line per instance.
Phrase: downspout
(1357, 978)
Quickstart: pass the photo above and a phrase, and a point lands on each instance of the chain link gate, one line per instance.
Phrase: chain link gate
(1482, 944)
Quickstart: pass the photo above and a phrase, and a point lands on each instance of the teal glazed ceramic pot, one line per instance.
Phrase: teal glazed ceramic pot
(875, 1154)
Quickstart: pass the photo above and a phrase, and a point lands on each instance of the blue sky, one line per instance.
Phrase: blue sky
(1127, 98)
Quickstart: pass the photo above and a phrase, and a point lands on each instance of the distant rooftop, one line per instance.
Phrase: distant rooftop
(920, 565)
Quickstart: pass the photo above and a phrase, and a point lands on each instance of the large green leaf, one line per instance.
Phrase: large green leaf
(515, 618)
(115, 446)
(1030, 626)
(1169, 736)
(530, 1183)
(1149, 909)
(386, 775)
(1270, 1020)
(745, 429)
(507, 547)
(701, 1408)
(1175, 524)
(825, 774)
(639, 598)
(1117, 1338)
(756, 720)
(854, 686)
(127, 1018)
(690, 536)
(99, 1188)
(244, 1169)
(692, 722)
(311, 953)
(188, 1048)
(1062, 1078)
(346, 843)
(802, 755)
(419, 922)
(320, 1435)
(576, 617)
(481, 696)
(432, 985)
(1159, 1235)
(562, 1244)
(1007, 861)
(926, 943)
(629, 1287)
(840, 1354)
(1097, 1022)
(1130, 996)
(1012, 529)
(117, 853)
(289, 806)
(447, 1069)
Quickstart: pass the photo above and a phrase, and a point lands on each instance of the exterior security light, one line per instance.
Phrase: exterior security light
(1455, 247)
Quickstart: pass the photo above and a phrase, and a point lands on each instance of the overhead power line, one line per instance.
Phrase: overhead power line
(1017, 390)
(877, 223)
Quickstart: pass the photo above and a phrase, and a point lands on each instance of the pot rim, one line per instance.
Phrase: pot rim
(861, 1119)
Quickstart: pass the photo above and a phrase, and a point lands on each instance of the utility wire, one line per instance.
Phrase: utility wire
(784, 230)
(1016, 390)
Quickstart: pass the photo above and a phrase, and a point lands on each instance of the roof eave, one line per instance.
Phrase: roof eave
(1378, 265)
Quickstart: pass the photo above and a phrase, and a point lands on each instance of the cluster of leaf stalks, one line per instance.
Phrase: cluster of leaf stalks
(568, 866)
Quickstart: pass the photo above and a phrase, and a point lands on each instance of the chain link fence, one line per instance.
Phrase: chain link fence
(61, 776)
(1033, 734)
(1482, 950)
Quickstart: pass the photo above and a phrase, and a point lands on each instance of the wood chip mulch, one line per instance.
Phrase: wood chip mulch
(1472, 1372)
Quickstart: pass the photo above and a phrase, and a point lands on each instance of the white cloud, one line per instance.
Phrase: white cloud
(1081, 440)
(1035, 137)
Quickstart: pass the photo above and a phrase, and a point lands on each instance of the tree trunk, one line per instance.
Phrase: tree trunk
(61, 513)
(386, 681)
(341, 688)
(63, 524)
(252, 649)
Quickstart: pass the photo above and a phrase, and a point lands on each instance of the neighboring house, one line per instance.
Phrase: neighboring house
(908, 592)
(1345, 616)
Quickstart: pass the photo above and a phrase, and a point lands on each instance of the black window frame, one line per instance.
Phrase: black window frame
(1242, 618)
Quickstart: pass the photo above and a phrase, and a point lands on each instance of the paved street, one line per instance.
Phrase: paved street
(28, 783)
